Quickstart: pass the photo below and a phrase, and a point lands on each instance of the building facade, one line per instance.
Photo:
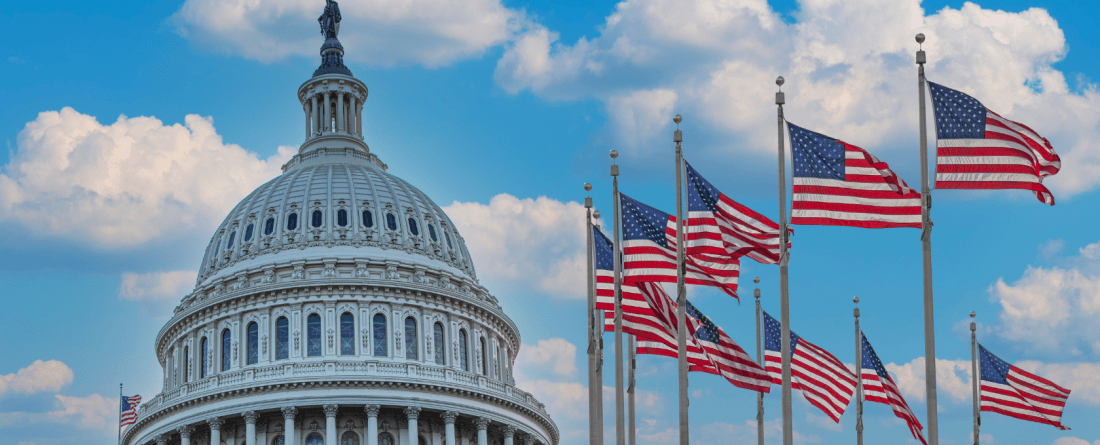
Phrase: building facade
(337, 304)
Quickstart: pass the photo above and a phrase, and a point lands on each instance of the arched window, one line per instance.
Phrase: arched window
(314, 439)
(413, 228)
(202, 348)
(248, 233)
(411, 350)
(317, 220)
(391, 221)
(342, 217)
(253, 343)
(385, 439)
(185, 361)
(349, 438)
(463, 357)
(379, 335)
(278, 440)
(282, 338)
(292, 222)
(313, 335)
(437, 337)
(227, 345)
(431, 233)
(484, 358)
(368, 219)
(269, 226)
(230, 244)
(447, 235)
(347, 334)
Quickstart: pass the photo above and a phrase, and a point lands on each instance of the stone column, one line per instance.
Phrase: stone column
(326, 114)
(288, 424)
(330, 424)
(316, 116)
(414, 432)
(215, 430)
(305, 109)
(372, 423)
(482, 431)
(359, 119)
(449, 422)
(509, 434)
(161, 439)
(353, 120)
(185, 435)
(340, 126)
(249, 427)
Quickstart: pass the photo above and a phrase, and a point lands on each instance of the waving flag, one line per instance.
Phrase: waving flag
(719, 229)
(978, 149)
(824, 381)
(1014, 392)
(128, 410)
(839, 184)
(879, 387)
(649, 251)
(732, 361)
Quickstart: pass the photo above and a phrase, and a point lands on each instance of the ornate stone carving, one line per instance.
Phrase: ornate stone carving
(215, 423)
(161, 439)
(361, 270)
(297, 335)
(445, 282)
(366, 338)
(234, 349)
(263, 344)
(299, 272)
(372, 410)
(330, 271)
(449, 417)
(529, 440)
(242, 282)
(482, 423)
(185, 432)
(412, 411)
(289, 412)
(331, 335)
(396, 337)
(250, 417)
(509, 430)
(269, 276)
(419, 277)
(391, 272)
(331, 410)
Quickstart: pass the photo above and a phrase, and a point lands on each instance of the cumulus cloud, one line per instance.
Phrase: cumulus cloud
(848, 75)
(156, 285)
(123, 184)
(1074, 441)
(952, 380)
(40, 376)
(1050, 309)
(92, 412)
(556, 355)
(551, 258)
(428, 32)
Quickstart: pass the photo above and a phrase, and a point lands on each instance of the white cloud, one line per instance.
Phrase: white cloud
(40, 376)
(1073, 441)
(1082, 379)
(723, 432)
(126, 183)
(94, 412)
(1052, 248)
(847, 76)
(1050, 309)
(156, 285)
(376, 32)
(551, 257)
(556, 355)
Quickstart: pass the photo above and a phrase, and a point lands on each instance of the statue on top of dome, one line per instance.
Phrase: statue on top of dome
(330, 20)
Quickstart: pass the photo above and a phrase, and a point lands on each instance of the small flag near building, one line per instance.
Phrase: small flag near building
(824, 381)
(1014, 392)
(128, 410)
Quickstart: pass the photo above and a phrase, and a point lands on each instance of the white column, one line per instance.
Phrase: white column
(330, 424)
(449, 421)
(340, 127)
(316, 116)
(288, 424)
(353, 120)
(215, 430)
(326, 114)
(509, 434)
(372, 423)
(185, 435)
(482, 431)
(249, 427)
(414, 432)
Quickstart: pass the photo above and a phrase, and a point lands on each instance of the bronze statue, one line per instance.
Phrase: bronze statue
(330, 20)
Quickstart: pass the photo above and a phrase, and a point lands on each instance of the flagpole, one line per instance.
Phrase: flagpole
(620, 427)
(926, 250)
(859, 376)
(759, 361)
(598, 322)
(630, 392)
(119, 414)
(974, 375)
(592, 385)
(784, 304)
(681, 291)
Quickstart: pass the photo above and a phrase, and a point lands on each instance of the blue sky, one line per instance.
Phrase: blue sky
(499, 112)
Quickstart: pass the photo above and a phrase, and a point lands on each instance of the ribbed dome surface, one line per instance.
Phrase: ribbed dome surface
(328, 202)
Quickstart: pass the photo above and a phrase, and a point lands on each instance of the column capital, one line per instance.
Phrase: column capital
(331, 410)
(529, 439)
(412, 411)
(372, 410)
(449, 417)
(161, 439)
(289, 412)
(185, 432)
(509, 430)
(215, 423)
(250, 417)
(482, 423)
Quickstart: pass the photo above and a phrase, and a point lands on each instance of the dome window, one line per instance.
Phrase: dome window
(368, 219)
(347, 334)
(203, 366)
(342, 218)
(282, 338)
(317, 220)
(379, 335)
(391, 221)
(248, 233)
(431, 233)
(413, 228)
(226, 345)
(313, 336)
(440, 354)
(412, 352)
(292, 222)
(269, 226)
(253, 347)
(230, 244)
(463, 358)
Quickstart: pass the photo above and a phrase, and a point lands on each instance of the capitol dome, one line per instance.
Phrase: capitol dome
(337, 304)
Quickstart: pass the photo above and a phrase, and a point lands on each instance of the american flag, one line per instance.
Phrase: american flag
(720, 229)
(824, 381)
(732, 361)
(879, 387)
(129, 410)
(1014, 392)
(978, 149)
(839, 184)
(649, 251)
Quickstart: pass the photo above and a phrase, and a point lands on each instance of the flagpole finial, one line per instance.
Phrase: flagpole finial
(596, 214)
(588, 186)
(678, 119)
(756, 292)
(855, 311)
(780, 98)
(614, 154)
(780, 81)
(920, 38)
(855, 300)
(972, 314)
(756, 280)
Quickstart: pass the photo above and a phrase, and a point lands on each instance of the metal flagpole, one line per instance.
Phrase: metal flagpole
(759, 361)
(784, 304)
(926, 249)
(630, 392)
(592, 385)
(598, 320)
(859, 376)
(974, 376)
(681, 290)
(119, 414)
(620, 426)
